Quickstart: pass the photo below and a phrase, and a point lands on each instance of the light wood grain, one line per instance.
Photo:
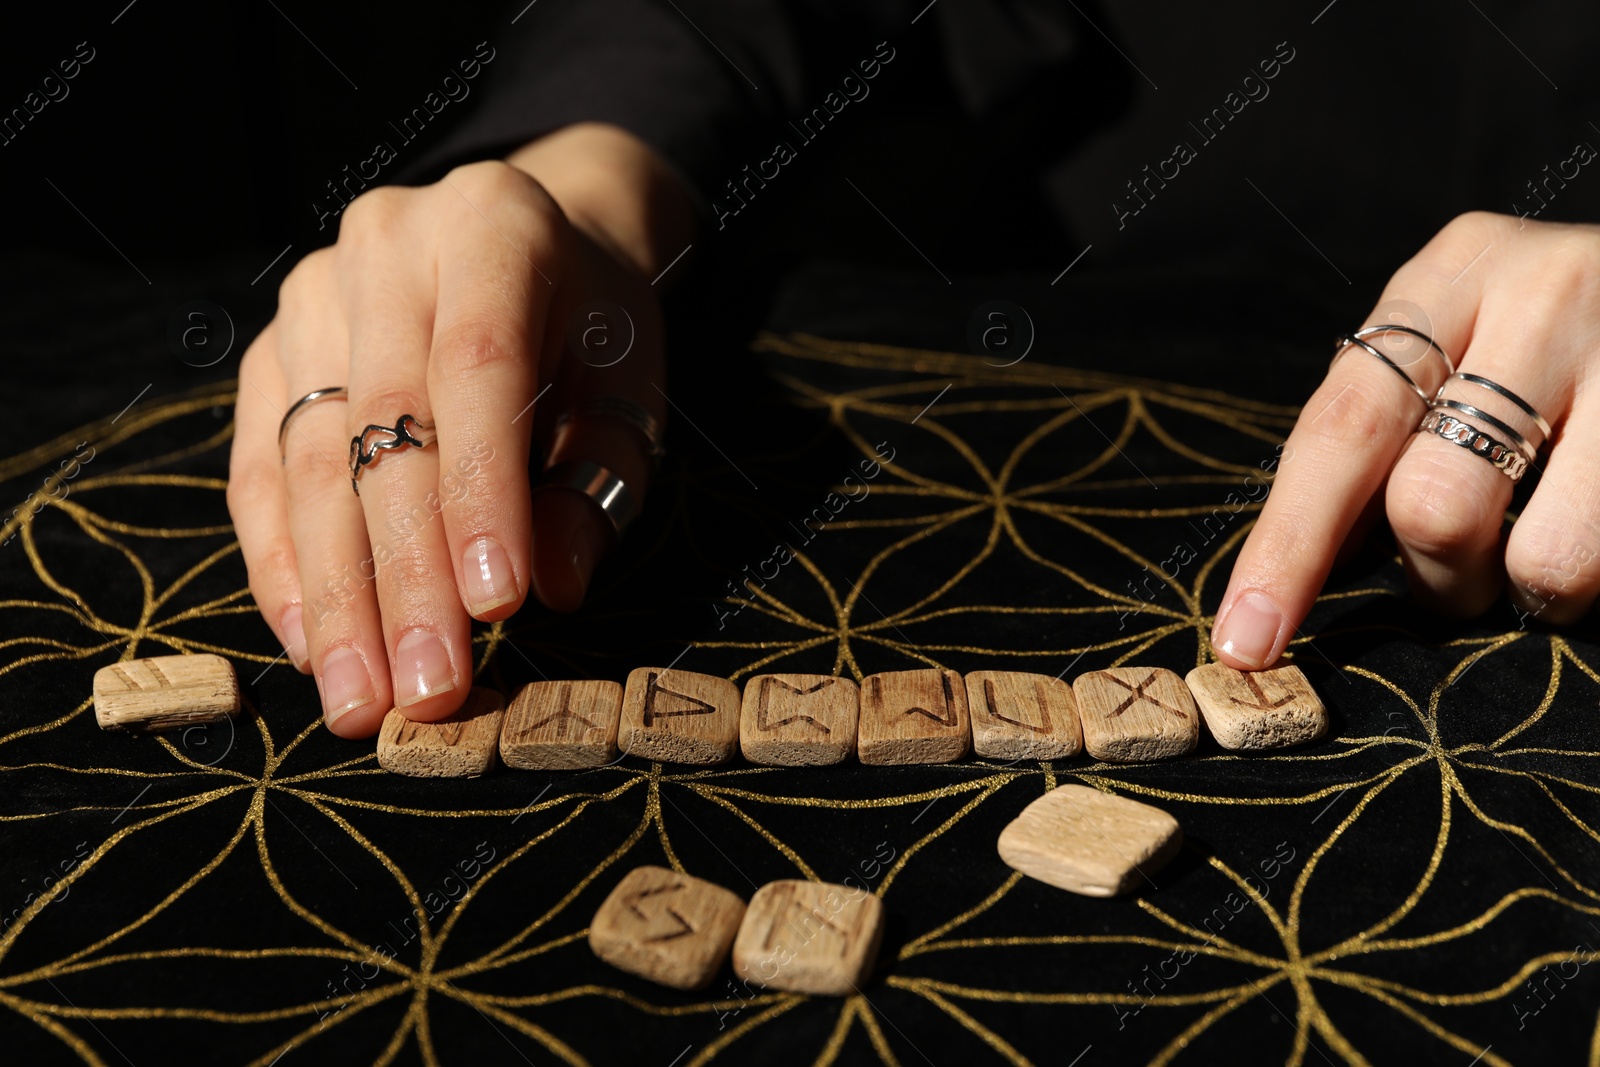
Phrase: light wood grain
(164, 692)
(794, 720)
(461, 746)
(562, 726)
(666, 927)
(913, 717)
(1258, 710)
(1023, 716)
(679, 717)
(1136, 714)
(1089, 842)
(809, 937)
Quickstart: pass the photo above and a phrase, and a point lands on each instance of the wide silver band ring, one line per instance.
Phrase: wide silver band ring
(1433, 346)
(1502, 457)
(598, 484)
(624, 410)
(1495, 387)
(1518, 441)
(1350, 339)
(365, 446)
(332, 392)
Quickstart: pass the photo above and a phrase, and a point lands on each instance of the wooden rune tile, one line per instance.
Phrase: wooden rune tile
(798, 720)
(1136, 713)
(1257, 710)
(163, 692)
(1023, 716)
(461, 746)
(667, 927)
(913, 717)
(1089, 842)
(562, 726)
(679, 717)
(809, 937)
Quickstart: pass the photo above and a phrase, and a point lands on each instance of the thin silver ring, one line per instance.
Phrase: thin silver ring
(406, 432)
(626, 411)
(1368, 331)
(1521, 443)
(1495, 387)
(1351, 339)
(595, 482)
(332, 392)
(1504, 458)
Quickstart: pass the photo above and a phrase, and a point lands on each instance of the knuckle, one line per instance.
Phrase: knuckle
(375, 213)
(1552, 558)
(384, 405)
(310, 470)
(477, 346)
(307, 280)
(489, 177)
(407, 575)
(269, 571)
(1435, 509)
(249, 483)
(1576, 278)
(1357, 413)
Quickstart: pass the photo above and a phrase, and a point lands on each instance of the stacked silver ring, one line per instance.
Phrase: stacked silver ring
(1510, 457)
(1504, 458)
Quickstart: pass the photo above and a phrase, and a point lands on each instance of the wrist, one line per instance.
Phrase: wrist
(616, 189)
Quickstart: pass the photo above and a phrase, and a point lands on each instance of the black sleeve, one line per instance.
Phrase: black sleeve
(694, 79)
(702, 81)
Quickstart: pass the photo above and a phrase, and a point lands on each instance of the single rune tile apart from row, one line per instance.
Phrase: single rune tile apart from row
(165, 692)
(666, 927)
(796, 936)
(809, 937)
(1089, 842)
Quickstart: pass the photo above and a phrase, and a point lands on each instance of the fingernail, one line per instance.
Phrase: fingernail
(346, 685)
(1249, 630)
(422, 669)
(489, 581)
(294, 636)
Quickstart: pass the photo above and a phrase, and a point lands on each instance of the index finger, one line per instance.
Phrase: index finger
(1342, 447)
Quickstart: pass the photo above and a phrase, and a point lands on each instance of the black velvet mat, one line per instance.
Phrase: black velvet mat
(1421, 887)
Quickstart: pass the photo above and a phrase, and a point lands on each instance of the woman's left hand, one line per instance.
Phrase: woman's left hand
(1512, 301)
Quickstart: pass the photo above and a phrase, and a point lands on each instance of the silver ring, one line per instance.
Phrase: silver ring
(1351, 339)
(1495, 387)
(1517, 440)
(1504, 458)
(406, 431)
(332, 392)
(1434, 346)
(627, 411)
(595, 482)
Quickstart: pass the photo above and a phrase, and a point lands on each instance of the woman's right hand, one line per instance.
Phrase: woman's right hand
(451, 303)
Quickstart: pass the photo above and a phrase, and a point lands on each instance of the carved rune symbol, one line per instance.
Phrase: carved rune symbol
(994, 707)
(653, 686)
(948, 718)
(1260, 703)
(682, 926)
(564, 714)
(765, 706)
(1137, 693)
(802, 926)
